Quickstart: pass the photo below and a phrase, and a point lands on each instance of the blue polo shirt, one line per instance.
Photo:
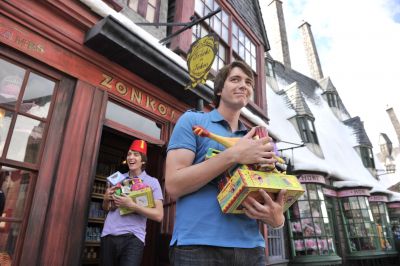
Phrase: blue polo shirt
(199, 219)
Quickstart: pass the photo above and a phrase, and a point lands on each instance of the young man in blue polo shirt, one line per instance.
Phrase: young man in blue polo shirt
(203, 235)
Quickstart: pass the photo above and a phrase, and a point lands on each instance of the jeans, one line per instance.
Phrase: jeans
(121, 250)
(216, 256)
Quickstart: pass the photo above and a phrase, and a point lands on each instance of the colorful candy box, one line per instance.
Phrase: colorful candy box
(248, 182)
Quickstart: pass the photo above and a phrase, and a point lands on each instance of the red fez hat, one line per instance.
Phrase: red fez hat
(139, 145)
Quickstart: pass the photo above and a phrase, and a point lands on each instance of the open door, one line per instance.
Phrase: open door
(112, 153)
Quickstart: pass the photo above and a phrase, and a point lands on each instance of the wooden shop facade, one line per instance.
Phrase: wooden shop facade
(75, 89)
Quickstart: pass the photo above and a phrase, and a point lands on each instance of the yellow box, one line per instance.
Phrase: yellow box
(248, 182)
(142, 197)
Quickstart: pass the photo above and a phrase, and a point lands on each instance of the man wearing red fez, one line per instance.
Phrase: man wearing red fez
(122, 238)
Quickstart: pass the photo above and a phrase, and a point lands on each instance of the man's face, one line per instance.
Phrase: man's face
(134, 160)
(237, 90)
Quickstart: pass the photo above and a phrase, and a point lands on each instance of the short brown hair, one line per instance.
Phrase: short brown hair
(223, 73)
(144, 160)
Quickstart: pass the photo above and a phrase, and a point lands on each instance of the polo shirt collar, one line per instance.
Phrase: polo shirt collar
(217, 117)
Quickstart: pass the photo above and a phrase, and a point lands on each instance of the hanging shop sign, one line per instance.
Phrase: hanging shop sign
(379, 198)
(201, 57)
(353, 192)
(329, 192)
(312, 178)
(393, 205)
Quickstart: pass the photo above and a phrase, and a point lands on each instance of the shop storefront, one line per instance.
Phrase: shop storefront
(68, 116)
(72, 99)
(394, 217)
(365, 238)
(311, 231)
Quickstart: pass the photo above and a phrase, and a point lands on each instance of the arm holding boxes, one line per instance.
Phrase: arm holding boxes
(251, 188)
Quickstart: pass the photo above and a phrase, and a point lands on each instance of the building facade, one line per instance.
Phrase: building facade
(79, 81)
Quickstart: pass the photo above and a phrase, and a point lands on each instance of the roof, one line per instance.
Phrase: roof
(358, 126)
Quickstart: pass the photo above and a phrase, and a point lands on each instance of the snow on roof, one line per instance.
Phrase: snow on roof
(336, 140)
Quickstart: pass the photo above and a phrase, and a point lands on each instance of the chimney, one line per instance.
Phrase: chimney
(277, 33)
(395, 122)
(311, 51)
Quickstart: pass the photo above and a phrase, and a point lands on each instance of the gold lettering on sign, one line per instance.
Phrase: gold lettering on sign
(29, 45)
(150, 102)
(173, 115)
(162, 109)
(121, 88)
(107, 81)
(136, 96)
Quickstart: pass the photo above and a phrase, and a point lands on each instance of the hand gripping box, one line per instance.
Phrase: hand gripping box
(142, 197)
(247, 182)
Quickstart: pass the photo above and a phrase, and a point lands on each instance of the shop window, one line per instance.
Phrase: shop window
(149, 9)
(26, 99)
(394, 215)
(381, 217)
(234, 43)
(15, 185)
(307, 129)
(367, 157)
(132, 120)
(275, 246)
(359, 224)
(310, 229)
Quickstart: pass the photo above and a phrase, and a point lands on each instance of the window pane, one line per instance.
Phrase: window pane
(235, 44)
(151, 13)
(37, 96)
(225, 18)
(247, 43)
(132, 120)
(234, 29)
(217, 26)
(241, 36)
(241, 50)
(209, 4)
(133, 4)
(26, 140)
(225, 34)
(199, 7)
(253, 49)
(5, 121)
(14, 186)
(11, 77)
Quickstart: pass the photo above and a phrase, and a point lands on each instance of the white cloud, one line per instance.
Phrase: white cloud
(358, 42)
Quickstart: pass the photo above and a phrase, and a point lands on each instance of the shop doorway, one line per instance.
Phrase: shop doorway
(111, 156)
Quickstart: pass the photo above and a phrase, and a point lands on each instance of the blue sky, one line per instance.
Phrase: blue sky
(358, 42)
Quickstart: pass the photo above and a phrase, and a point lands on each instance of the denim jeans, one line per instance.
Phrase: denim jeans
(121, 250)
(195, 255)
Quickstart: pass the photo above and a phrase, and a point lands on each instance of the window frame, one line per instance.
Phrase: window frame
(231, 55)
(299, 221)
(16, 110)
(379, 211)
(307, 129)
(355, 214)
(367, 157)
(332, 99)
